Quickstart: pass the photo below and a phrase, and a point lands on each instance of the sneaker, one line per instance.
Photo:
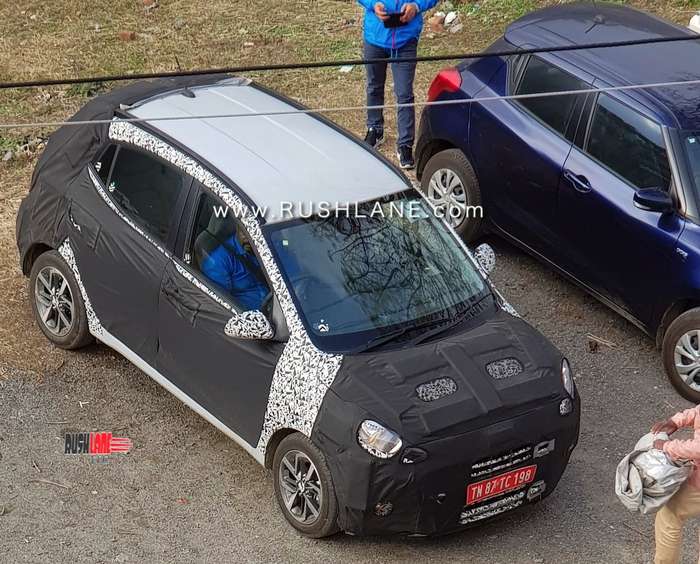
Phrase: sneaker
(405, 156)
(374, 137)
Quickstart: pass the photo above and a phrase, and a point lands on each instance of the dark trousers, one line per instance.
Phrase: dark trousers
(403, 74)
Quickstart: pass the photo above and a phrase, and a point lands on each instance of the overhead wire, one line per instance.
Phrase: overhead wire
(350, 62)
(341, 109)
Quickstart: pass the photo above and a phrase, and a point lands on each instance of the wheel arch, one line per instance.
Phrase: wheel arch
(671, 314)
(274, 442)
(33, 253)
(433, 147)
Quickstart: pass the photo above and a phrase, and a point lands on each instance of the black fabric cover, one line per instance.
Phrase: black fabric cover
(67, 152)
(230, 377)
(483, 417)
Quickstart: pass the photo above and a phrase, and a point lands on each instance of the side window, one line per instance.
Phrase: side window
(220, 249)
(540, 76)
(148, 189)
(104, 164)
(630, 144)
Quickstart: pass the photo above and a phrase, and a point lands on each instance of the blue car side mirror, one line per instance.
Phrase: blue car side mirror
(654, 200)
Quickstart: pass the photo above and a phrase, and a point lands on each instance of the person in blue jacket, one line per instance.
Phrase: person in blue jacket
(238, 272)
(381, 42)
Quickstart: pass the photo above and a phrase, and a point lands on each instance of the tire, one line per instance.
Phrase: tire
(297, 447)
(437, 174)
(66, 325)
(686, 325)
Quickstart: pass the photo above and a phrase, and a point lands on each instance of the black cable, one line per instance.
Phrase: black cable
(353, 62)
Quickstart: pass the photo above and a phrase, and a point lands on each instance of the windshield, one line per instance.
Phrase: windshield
(387, 265)
(691, 143)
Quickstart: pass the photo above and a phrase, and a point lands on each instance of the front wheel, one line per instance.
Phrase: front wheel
(304, 487)
(450, 183)
(681, 354)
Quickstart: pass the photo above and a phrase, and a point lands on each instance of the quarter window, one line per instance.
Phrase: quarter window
(541, 77)
(222, 252)
(147, 189)
(104, 164)
(630, 144)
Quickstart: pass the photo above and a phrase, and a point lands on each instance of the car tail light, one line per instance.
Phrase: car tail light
(447, 80)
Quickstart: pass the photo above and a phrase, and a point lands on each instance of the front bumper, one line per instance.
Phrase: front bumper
(429, 497)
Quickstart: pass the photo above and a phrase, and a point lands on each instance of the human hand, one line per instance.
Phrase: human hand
(668, 427)
(659, 444)
(408, 12)
(380, 11)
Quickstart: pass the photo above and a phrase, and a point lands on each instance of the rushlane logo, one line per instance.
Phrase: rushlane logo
(96, 444)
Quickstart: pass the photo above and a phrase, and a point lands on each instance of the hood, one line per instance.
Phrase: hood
(499, 369)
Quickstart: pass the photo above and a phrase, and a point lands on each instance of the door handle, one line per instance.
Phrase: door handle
(179, 299)
(579, 182)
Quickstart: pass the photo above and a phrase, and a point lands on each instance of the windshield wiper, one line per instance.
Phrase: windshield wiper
(458, 318)
(393, 335)
(378, 341)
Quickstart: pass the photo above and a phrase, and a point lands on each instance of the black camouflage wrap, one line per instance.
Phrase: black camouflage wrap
(469, 417)
(69, 148)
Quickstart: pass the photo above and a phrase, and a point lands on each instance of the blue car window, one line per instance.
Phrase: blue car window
(541, 77)
(630, 144)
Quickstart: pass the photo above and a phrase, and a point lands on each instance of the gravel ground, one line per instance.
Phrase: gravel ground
(188, 494)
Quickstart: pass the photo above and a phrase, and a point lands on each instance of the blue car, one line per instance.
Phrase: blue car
(603, 187)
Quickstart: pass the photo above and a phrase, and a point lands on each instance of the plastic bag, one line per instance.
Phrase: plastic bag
(647, 478)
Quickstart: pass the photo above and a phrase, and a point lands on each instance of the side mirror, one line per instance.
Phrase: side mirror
(486, 257)
(249, 325)
(654, 200)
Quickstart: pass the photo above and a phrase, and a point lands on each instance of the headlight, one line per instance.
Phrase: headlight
(567, 378)
(378, 440)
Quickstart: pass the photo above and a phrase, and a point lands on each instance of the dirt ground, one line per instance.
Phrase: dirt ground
(186, 493)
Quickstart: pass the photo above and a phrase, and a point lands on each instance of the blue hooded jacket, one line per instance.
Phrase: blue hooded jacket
(395, 38)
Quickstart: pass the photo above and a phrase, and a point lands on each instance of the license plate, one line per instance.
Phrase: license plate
(507, 482)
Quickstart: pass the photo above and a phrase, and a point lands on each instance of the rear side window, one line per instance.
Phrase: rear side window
(147, 189)
(540, 76)
(630, 144)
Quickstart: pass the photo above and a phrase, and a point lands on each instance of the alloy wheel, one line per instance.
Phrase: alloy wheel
(446, 192)
(300, 485)
(54, 301)
(687, 358)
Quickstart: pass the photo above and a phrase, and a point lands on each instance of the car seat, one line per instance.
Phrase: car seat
(217, 232)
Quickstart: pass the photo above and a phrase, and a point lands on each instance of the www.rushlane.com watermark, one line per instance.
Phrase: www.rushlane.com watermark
(413, 209)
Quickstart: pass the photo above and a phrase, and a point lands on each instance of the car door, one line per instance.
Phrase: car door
(122, 222)
(617, 249)
(520, 147)
(229, 377)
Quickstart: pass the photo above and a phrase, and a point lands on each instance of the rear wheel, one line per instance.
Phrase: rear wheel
(57, 303)
(681, 354)
(304, 487)
(450, 183)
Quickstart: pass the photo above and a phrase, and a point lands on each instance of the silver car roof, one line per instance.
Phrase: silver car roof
(273, 159)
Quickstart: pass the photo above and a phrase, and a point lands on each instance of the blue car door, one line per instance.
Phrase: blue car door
(519, 148)
(615, 248)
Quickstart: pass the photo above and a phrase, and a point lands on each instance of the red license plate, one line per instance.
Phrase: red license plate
(500, 484)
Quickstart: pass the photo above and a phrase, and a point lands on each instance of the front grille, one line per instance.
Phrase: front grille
(501, 462)
(492, 509)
